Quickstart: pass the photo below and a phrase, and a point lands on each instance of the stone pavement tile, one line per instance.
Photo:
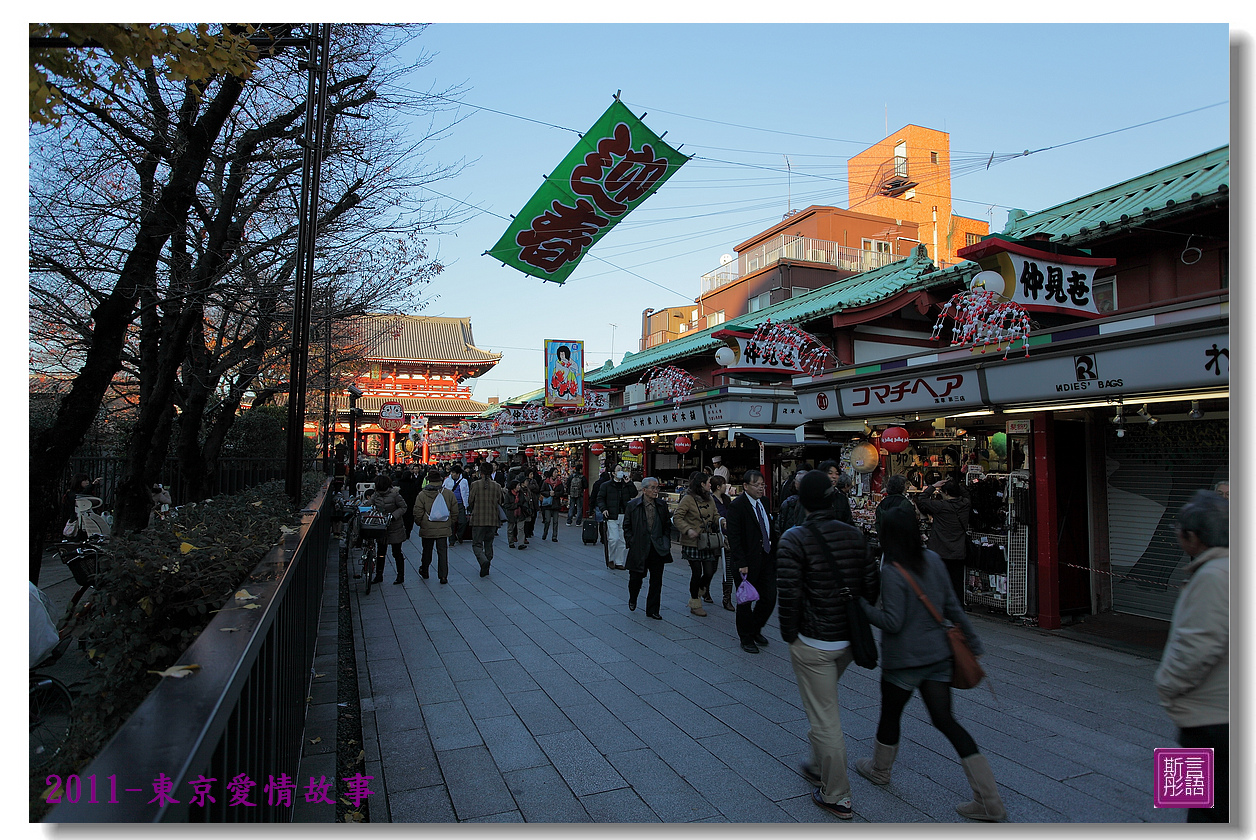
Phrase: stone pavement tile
(584, 669)
(317, 713)
(760, 731)
(504, 817)
(323, 691)
(734, 797)
(450, 726)
(483, 698)
(1031, 654)
(768, 775)
(617, 806)
(579, 763)
(511, 744)
(532, 658)
(1134, 773)
(324, 733)
(321, 765)
(1021, 751)
(1135, 801)
(435, 686)
(696, 689)
(720, 654)
(771, 706)
(421, 805)
(398, 718)
(463, 665)
(409, 762)
(391, 679)
(566, 628)
(539, 713)
(597, 650)
(510, 676)
(543, 797)
(1073, 804)
(486, 646)
(693, 719)
(633, 675)
(563, 689)
(607, 732)
(622, 701)
(475, 785)
(1022, 809)
(874, 804)
(923, 793)
(666, 793)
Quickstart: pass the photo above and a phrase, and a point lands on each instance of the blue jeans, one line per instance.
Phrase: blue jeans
(576, 509)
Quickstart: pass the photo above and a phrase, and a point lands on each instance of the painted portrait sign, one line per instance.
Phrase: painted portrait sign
(564, 373)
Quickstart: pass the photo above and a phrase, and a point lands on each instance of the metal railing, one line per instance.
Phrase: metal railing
(785, 247)
(241, 712)
(231, 476)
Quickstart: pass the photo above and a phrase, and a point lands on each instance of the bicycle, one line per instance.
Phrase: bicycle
(51, 711)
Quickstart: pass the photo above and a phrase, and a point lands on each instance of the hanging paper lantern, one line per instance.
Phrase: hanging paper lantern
(529, 452)
(495, 454)
(895, 439)
(864, 457)
(597, 448)
(636, 447)
(682, 444)
(406, 446)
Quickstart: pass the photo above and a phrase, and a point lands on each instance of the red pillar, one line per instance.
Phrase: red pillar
(1045, 519)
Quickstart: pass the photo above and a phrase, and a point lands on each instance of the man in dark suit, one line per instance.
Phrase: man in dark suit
(751, 551)
(648, 535)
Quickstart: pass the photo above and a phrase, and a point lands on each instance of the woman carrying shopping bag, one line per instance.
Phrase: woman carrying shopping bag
(697, 520)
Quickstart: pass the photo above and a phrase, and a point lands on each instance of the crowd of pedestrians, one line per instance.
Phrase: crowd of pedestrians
(811, 565)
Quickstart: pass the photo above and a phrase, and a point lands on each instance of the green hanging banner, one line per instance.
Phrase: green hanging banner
(617, 165)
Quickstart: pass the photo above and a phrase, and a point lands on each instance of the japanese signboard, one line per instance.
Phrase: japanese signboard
(616, 165)
(953, 391)
(564, 373)
(1040, 280)
(746, 356)
(1199, 362)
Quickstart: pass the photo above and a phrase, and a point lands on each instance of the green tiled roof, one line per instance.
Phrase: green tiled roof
(915, 272)
(1174, 189)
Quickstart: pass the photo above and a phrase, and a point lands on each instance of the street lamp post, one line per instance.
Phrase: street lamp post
(318, 47)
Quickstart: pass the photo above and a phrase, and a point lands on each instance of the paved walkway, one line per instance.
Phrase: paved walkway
(535, 695)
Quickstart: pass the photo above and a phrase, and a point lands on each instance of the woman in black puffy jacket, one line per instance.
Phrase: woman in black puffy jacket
(819, 565)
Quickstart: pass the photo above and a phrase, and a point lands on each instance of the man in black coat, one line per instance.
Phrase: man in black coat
(410, 485)
(648, 535)
(815, 562)
(612, 500)
(751, 551)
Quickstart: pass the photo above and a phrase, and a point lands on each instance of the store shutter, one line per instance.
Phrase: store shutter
(1152, 472)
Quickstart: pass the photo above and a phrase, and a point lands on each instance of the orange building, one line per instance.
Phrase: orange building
(907, 176)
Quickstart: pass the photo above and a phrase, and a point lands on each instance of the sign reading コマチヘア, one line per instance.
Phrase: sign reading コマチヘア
(617, 165)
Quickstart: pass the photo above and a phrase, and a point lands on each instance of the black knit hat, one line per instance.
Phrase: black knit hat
(815, 491)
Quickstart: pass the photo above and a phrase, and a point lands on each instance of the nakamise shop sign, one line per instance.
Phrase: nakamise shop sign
(1201, 361)
(1038, 280)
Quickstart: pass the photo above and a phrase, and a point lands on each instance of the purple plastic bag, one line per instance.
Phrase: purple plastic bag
(746, 593)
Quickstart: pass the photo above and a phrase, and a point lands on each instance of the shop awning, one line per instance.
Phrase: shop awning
(785, 439)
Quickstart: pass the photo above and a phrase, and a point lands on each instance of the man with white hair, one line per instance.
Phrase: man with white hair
(1194, 674)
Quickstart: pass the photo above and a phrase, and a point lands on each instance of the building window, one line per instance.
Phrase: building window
(715, 318)
(933, 157)
(1104, 291)
(900, 159)
(759, 302)
(876, 245)
(909, 195)
(972, 238)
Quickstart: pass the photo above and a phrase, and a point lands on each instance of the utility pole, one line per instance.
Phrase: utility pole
(613, 328)
(317, 59)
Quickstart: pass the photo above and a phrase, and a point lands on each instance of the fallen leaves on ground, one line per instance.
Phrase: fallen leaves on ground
(243, 595)
(316, 740)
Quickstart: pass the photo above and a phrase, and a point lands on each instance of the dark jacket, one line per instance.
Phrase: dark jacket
(841, 508)
(638, 536)
(808, 583)
(949, 534)
(614, 496)
(745, 543)
(890, 502)
(410, 486)
(391, 502)
(485, 497)
(792, 513)
(910, 635)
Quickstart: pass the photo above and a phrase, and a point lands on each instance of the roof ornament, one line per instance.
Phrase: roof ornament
(984, 317)
(812, 355)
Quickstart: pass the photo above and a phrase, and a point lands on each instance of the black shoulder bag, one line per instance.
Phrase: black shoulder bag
(863, 645)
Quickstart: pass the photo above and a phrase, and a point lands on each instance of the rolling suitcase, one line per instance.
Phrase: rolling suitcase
(588, 532)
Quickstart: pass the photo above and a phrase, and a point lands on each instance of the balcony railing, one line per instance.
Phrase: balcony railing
(796, 248)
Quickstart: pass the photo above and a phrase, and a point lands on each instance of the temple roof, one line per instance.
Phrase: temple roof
(420, 338)
(430, 406)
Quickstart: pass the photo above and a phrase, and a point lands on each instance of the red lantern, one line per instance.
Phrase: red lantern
(495, 454)
(529, 452)
(597, 448)
(894, 439)
(636, 447)
(683, 444)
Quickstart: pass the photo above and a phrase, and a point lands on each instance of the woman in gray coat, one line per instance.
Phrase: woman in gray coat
(388, 500)
(916, 654)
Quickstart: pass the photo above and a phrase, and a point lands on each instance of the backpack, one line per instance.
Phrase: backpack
(458, 492)
(440, 510)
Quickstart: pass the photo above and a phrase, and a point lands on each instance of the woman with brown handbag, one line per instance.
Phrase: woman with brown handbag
(916, 653)
(697, 519)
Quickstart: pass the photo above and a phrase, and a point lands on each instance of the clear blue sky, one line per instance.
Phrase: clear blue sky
(994, 88)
